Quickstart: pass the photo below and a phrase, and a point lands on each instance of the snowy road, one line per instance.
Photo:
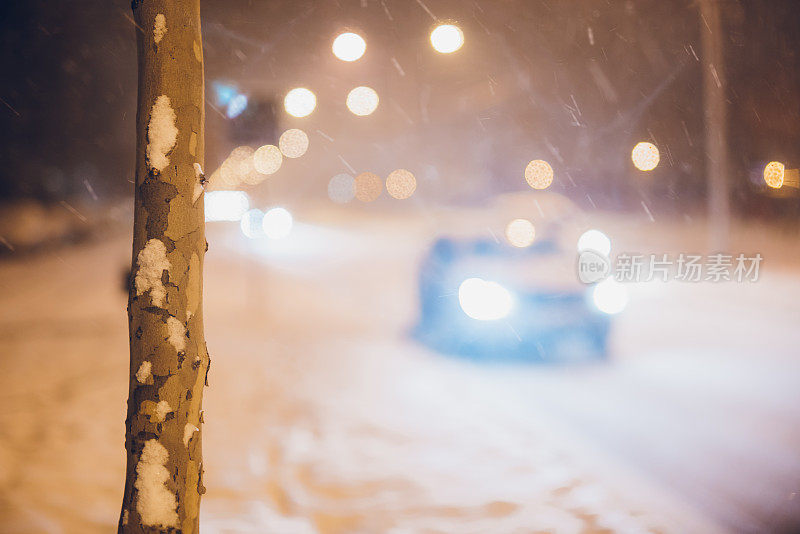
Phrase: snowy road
(323, 417)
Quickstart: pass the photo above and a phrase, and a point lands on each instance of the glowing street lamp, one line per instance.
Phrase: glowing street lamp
(447, 38)
(293, 143)
(774, 173)
(299, 102)
(539, 174)
(401, 184)
(349, 46)
(368, 186)
(267, 159)
(645, 156)
(362, 101)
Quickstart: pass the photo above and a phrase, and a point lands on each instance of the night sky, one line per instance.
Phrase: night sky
(68, 88)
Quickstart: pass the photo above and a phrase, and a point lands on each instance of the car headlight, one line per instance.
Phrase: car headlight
(609, 296)
(484, 300)
(594, 240)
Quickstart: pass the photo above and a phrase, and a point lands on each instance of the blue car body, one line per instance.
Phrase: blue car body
(545, 325)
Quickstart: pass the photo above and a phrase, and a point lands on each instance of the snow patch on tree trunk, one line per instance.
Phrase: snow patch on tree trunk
(152, 261)
(198, 185)
(144, 372)
(155, 504)
(177, 334)
(162, 134)
(162, 409)
(159, 28)
(188, 431)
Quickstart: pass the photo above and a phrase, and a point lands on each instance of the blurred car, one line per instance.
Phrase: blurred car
(482, 298)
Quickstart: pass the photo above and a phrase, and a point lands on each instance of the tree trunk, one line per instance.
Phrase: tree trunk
(169, 360)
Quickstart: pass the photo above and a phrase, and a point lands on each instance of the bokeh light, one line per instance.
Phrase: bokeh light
(539, 174)
(349, 46)
(251, 223)
(484, 300)
(242, 165)
(238, 168)
(236, 106)
(594, 240)
(645, 156)
(447, 38)
(774, 174)
(228, 173)
(293, 143)
(299, 102)
(223, 92)
(226, 205)
(267, 159)
(368, 186)
(610, 296)
(401, 184)
(341, 188)
(277, 223)
(520, 233)
(362, 101)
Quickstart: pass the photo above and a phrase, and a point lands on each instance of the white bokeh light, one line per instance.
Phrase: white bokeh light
(484, 300)
(401, 184)
(251, 223)
(447, 38)
(520, 233)
(226, 205)
(610, 296)
(293, 143)
(267, 159)
(300, 102)
(362, 101)
(277, 223)
(349, 46)
(342, 188)
(594, 240)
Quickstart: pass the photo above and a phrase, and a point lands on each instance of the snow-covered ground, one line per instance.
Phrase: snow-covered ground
(322, 416)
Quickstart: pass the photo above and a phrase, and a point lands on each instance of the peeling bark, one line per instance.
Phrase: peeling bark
(168, 356)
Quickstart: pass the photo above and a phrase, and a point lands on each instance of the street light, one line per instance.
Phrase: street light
(368, 186)
(299, 102)
(349, 46)
(539, 174)
(447, 38)
(774, 173)
(401, 184)
(293, 143)
(362, 101)
(645, 156)
(267, 159)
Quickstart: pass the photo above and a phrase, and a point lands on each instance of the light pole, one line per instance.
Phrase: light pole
(715, 113)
